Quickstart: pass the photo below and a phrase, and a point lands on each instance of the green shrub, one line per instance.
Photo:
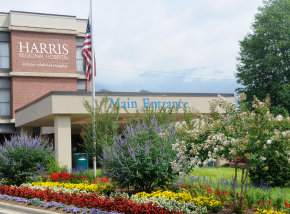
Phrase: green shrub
(55, 167)
(142, 158)
(278, 173)
(24, 159)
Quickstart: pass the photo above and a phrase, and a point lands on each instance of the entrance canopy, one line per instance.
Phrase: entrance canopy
(41, 112)
(64, 110)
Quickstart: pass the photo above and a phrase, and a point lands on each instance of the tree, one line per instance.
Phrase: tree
(264, 58)
(104, 120)
(235, 135)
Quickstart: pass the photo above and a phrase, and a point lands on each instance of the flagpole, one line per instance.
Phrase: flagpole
(93, 85)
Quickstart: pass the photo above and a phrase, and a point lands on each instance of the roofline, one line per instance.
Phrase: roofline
(42, 14)
(82, 93)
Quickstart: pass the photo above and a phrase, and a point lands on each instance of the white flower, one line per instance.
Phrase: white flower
(215, 150)
(279, 118)
(182, 176)
(241, 97)
(269, 141)
(263, 158)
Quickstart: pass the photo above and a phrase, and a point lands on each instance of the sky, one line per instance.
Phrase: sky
(187, 46)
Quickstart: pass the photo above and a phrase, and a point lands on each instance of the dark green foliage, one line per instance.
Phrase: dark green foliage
(143, 158)
(278, 173)
(24, 159)
(264, 58)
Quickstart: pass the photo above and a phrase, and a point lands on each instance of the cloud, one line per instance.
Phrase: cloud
(160, 35)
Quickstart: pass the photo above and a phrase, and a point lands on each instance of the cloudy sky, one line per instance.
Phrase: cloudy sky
(160, 45)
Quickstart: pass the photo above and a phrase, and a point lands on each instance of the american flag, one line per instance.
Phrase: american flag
(87, 52)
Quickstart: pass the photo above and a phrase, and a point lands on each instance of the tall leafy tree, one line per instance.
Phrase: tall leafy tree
(264, 58)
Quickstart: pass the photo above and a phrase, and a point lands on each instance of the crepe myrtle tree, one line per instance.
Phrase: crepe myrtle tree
(236, 134)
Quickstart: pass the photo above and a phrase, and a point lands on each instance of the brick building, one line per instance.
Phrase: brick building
(39, 53)
(43, 84)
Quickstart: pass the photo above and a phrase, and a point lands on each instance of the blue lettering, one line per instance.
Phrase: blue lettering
(146, 104)
(123, 104)
(185, 104)
(112, 102)
(174, 104)
(155, 104)
(168, 105)
(164, 103)
(128, 103)
(159, 104)
(180, 105)
(135, 104)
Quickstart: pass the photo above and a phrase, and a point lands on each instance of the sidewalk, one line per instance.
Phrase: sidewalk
(6, 208)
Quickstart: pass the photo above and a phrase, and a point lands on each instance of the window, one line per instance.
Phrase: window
(82, 85)
(81, 65)
(4, 55)
(4, 102)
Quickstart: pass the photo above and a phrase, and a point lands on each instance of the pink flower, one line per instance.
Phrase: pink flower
(81, 123)
(108, 129)
(105, 136)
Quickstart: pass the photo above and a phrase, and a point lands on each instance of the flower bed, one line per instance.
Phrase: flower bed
(180, 196)
(70, 209)
(118, 204)
(262, 211)
(65, 177)
(169, 201)
(209, 202)
(105, 188)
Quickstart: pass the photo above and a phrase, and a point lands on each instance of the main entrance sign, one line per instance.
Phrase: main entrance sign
(147, 102)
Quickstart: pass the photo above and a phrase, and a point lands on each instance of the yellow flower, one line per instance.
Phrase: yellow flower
(259, 211)
(181, 197)
(101, 189)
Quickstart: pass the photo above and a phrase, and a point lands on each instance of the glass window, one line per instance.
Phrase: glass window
(4, 102)
(81, 66)
(4, 55)
(82, 85)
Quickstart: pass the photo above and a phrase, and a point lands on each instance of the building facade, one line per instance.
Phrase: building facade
(43, 84)
(39, 53)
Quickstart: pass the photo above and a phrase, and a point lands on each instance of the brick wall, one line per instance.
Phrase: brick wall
(37, 58)
(27, 89)
(88, 86)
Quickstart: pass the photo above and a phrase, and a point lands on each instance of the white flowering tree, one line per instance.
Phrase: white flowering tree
(237, 135)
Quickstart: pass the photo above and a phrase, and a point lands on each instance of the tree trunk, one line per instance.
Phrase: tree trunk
(234, 185)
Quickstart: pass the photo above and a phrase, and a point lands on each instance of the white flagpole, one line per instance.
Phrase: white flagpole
(93, 83)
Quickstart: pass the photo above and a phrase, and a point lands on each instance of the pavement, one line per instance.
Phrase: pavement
(6, 208)
(4, 211)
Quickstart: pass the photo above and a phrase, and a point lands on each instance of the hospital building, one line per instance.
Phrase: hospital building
(43, 83)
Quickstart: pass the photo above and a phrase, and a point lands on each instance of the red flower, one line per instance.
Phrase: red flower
(118, 204)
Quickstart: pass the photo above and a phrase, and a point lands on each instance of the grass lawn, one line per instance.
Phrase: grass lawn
(221, 177)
